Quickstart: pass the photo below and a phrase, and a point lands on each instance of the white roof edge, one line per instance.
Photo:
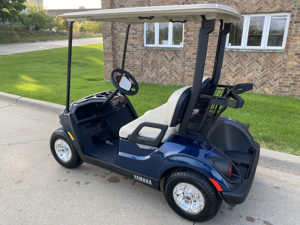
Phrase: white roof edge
(190, 12)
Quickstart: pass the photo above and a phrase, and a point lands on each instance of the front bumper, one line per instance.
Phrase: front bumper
(239, 195)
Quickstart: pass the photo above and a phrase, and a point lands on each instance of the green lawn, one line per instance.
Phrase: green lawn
(274, 120)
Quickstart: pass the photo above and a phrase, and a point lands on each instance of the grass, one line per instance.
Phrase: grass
(274, 120)
(12, 36)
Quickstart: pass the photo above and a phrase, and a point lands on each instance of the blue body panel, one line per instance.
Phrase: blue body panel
(176, 153)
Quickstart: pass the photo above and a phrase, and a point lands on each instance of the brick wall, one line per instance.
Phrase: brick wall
(289, 81)
(271, 72)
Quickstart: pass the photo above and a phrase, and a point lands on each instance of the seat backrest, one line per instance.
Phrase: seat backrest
(176, 105)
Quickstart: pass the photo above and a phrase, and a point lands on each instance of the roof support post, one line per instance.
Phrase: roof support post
(206, 28)
(69, 65)
(125, 47)
(224, 30)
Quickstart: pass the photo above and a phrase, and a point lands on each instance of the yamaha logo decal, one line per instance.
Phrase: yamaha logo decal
(142, 179)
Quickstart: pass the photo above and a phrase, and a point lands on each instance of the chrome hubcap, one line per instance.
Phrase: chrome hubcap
(188, 198)
(62, 150)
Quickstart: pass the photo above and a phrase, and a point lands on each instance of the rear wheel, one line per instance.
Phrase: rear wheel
(192, 196)
(63, 149)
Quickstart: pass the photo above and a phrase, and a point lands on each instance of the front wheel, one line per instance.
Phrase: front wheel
(192, 196)
(63, 149)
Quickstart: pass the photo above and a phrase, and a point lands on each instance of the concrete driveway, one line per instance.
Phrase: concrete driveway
(13, 48)
(34, 189)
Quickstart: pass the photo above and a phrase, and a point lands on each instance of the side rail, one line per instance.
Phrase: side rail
(228, 96)
(209, 107)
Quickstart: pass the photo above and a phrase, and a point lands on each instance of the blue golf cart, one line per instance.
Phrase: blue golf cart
(185, 147)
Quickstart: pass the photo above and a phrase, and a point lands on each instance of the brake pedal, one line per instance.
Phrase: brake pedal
(109, 143)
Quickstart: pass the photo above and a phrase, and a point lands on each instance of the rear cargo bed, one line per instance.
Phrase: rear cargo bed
(242, 160)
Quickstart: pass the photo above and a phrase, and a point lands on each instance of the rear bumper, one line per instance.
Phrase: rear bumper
(239, 195)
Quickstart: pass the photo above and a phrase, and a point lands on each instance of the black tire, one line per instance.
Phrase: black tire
(74, 160)
(212, 201)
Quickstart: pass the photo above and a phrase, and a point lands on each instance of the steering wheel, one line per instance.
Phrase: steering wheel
(124, 82)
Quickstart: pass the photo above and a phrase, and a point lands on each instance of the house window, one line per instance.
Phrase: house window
(166, 34)
(278, 26)
(177, 34)
(255, 30)
(235, 37)
(150, 33)
(163, 33)
(261, 31)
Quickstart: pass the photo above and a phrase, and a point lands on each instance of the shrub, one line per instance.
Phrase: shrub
(76, 27)
(35, 18)
(60, 24)
(10, 10)
(90, 27)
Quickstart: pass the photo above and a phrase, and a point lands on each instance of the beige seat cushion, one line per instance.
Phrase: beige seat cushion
(152, 116)
(161, 115)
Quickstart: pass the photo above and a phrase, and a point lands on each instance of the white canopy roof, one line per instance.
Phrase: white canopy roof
(192, 12)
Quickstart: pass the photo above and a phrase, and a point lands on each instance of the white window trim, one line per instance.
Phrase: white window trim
(156, 37)
(247, 25)
(265, 33)
(286, 30)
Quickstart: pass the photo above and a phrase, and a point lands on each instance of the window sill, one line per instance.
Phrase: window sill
(252, 50)
(164, 48)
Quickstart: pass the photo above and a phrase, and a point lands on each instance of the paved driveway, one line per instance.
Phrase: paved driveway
(13, 48)
(34, 189)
